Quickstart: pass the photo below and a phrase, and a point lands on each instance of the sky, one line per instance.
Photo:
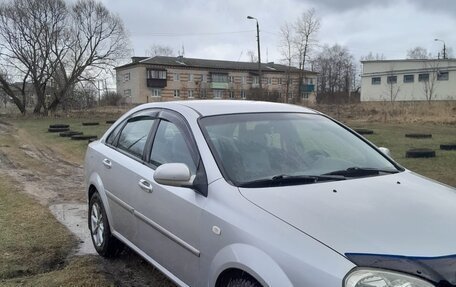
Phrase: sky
(216, 29)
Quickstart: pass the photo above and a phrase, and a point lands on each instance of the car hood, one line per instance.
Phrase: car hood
(398, 214)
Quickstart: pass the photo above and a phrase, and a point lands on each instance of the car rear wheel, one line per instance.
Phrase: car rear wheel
(104, 242)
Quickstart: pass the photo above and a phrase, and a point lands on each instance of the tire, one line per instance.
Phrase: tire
(420, 153)
(418, 136)
(448, 146)
(58, 130)
(104, 242)
(70, 133)
(83, 137)
(364, 131)
(59, 126)
(91, 124)
(245, 281)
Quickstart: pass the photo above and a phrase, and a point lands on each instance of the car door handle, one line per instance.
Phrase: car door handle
(145, 185)
(107, 163)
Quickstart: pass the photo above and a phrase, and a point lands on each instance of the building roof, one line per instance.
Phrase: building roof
(210, 64)
(408, 60)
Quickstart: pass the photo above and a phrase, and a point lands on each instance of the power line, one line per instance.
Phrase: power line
(167, 34)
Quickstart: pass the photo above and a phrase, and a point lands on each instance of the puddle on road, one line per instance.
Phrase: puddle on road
(74, 217)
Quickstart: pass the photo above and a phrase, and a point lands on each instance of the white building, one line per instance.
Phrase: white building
(408, 80)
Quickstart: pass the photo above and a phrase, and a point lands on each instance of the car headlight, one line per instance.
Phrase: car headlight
(364, 277)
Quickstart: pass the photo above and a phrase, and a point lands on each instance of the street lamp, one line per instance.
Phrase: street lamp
(259, 54)
(444, 47)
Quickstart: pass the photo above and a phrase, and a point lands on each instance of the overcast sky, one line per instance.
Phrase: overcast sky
(219, 29)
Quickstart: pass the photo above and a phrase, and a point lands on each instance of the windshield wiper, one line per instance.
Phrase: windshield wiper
(283, 179)
(361, 171)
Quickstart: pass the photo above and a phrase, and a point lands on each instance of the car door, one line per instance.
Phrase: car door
(170, 216)
(120, 178)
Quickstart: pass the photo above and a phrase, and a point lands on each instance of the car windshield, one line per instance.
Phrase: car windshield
(256, 147)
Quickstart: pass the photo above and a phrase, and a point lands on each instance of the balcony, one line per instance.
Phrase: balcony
(308, 88)
(156, 83)
(219, 85)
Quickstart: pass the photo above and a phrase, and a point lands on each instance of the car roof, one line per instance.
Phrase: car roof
(221, 107)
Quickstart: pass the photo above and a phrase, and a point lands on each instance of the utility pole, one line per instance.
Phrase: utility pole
(259, 53)
(444, 48)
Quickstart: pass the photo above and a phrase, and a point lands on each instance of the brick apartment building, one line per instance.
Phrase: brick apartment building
(176, 78)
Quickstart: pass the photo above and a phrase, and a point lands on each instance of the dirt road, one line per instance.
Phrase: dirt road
(57, 183)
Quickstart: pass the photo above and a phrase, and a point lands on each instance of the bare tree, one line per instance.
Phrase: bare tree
(306, 27)
(392, 88)
(159, 50)
(253, 58)
(372, 57)
(54, 46)
(418, 53)
(28, 30)
(286, 50)
(95, 42)
(429, 79)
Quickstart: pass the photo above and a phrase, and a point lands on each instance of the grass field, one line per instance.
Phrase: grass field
(35, 247)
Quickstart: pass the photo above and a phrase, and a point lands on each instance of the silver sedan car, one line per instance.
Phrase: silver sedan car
(245, 194)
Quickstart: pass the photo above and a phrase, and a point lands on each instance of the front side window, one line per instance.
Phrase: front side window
(252, 147)
(171, 146)
(133, 137)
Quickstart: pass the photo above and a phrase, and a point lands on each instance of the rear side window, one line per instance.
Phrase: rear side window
(133, 137)
(171, 146)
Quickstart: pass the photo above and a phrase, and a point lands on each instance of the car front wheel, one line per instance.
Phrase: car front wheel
(104, 242)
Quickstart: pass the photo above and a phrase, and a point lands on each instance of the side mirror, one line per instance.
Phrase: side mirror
(174, 174)
(385, 151)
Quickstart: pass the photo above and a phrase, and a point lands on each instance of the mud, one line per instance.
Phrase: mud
(59, 184)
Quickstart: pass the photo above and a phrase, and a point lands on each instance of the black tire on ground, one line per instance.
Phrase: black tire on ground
(59, 126)
(110, 246)
(364, 131)
(83, 137)
(110, 122)
(90, 124)
(70, 133)
(418, 136)
(420, 153)
(244, 281)
(58, 130)
(448, 146)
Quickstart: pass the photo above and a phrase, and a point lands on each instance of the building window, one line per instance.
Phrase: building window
(218, 94)
(280, 81)
(190, 77)
(219, 78)
(243, 94)
(176, 77)
(244, 80)
(156, 74)
(442, 76)
(409, 78)
(423, 77)
(204, 78)
(255, 80)
(156, 92)
(305, 95)
(176, 93)
(203, 94)
(127, 93)
(290, 95)
(231, 79)
(190, 94)
(126, 77)
(376, 81)
(269, 80)
(391, 79)
(231, 94)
